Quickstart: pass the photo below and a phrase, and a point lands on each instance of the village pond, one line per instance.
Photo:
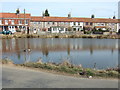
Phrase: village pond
(90, 53)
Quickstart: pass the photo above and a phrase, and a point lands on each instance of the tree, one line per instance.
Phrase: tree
(17, 11)
(69, 28)
(92, 16)
(114, 17)
(46, 13)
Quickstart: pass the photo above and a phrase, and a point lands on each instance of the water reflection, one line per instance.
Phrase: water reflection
(79, 51)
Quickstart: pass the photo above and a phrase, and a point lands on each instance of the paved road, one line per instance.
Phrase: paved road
(24, 78)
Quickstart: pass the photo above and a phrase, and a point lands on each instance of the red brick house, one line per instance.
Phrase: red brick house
(13, 21)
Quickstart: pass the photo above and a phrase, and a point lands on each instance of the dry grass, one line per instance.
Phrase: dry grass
(66, 67)
(60, 36)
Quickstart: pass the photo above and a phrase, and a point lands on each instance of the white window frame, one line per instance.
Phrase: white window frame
(6, 22)
(12, 22)
(20, 22)
(0, 22)
(26, 22)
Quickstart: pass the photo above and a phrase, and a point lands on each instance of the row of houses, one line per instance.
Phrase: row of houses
(21, 22)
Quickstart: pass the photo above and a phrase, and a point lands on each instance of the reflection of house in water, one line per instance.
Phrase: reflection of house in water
(91, 50)
(44, 47)
(17, 48)
(68, 47)
(47, 45)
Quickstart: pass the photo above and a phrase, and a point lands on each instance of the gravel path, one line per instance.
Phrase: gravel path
(24, 78)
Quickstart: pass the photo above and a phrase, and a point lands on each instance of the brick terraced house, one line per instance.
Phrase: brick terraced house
(21, 21)
(14, 21)
(50, 24)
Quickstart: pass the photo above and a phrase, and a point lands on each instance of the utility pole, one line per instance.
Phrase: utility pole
(3, 24)
(24, 22)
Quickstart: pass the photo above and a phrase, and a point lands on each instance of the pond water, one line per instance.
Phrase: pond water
(87, 52)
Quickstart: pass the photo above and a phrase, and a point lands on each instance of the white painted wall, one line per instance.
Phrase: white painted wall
(12, 29)
(118, 26)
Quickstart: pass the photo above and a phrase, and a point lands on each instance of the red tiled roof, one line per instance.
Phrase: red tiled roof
(59, 19)
(73, 19)
(14, 15)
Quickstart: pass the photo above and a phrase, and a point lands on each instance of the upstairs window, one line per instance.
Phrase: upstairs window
(48, 22)
(78, 23)
(74, 23)
(53, 23)
(12, 21)
(91, 23)
(102, 24)
(20, 22)
(6, 21)
(0, 21)
(35, 22)
(86, 23)
(26, 21)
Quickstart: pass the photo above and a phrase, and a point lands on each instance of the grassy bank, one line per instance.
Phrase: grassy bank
(60, 36)
(66, 67)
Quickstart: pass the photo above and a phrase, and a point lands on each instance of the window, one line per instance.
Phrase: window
(91, 23)
(0, 21)
(113, 24)
(62, 23)
(34, 22)
(74, 23)
(74, 29)
(67, 23)
(78, 23)
(26, 21)
(6, 21)
(48, 22)
(53, 23)
(86, 23)
(49, 29)
(102, 24)
(20, 22)
(12, 21)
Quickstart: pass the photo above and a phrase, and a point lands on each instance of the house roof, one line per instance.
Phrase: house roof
(58, 19)
(74, 19)
(14, 15)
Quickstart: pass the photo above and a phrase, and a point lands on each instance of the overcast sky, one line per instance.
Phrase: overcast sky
(77, 9)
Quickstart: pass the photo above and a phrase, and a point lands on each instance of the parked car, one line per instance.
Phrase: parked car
(6, 32)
